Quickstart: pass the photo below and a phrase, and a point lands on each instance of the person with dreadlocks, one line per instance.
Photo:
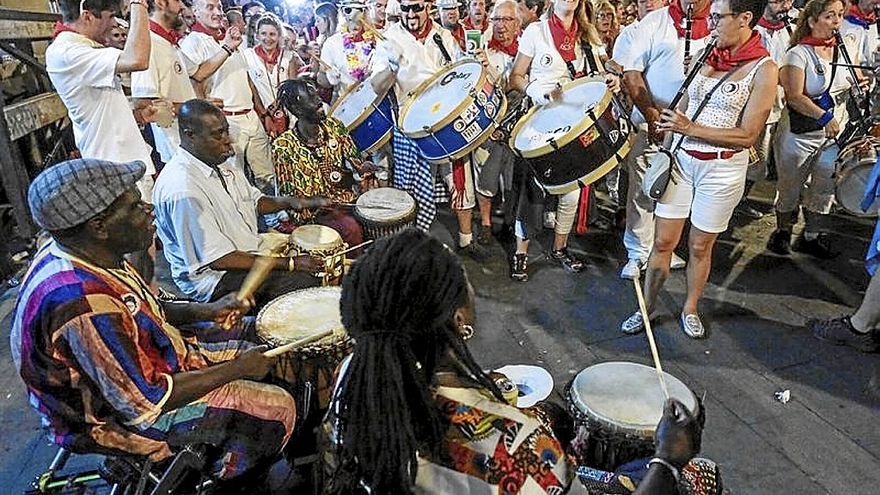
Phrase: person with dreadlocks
(413, 412)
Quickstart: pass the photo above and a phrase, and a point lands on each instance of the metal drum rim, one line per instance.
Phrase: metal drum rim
(596, 174)
(406, 213)
(366, 111)
(340, 335)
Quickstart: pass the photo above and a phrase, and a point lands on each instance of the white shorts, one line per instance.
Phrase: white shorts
(707, 191)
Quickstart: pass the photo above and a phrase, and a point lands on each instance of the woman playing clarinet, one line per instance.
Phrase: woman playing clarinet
(562, 47)
(735, 89)
(816, 92)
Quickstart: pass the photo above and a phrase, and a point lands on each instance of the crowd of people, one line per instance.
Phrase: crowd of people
(206, 129)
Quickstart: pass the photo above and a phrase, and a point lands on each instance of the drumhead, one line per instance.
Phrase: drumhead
(353, 106)
(853, 169)
(583, 100)
(626, 396)
(441, 96)
(300, 314)
(385, 205)
(315, 238)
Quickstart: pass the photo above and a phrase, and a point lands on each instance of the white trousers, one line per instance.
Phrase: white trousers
(639, 234)
(806, 173)
(251, 142)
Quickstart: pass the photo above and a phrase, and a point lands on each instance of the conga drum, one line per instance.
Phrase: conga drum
(298, 315)
(616, 406)
(367, 116)
(453, 112)
(576, 140)
(385, 211)
(322, 242)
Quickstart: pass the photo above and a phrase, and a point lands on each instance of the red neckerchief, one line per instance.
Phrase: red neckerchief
(217, 34)
(458, 34)
(771, 26)
(813, 41)
(699, 24)
(564, 40)
(60, 27)
(723, 60)
(510, 49)
(269, 59)
(171, 36)
(856, 16)
(470, 25)
(421, 35)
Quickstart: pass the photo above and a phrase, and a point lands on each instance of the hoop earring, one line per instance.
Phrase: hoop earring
(467, 331)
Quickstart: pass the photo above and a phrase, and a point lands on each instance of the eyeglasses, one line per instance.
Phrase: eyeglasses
(605, 15)
(82, 7)
(349, 10)
(416, 7)
(502, 19)
(714, 18)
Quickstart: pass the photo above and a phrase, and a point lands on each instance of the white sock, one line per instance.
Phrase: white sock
(464, 239)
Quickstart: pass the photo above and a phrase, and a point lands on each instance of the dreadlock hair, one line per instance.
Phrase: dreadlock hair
(398, 304)
(287, 91)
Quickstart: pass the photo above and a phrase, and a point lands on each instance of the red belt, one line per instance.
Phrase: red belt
(238, 112)
(710, 155)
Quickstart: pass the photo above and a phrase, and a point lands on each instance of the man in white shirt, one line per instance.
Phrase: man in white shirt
(653, 72)
(84, 72)
(413, 50)
(166, 79)
(530, 11)
(228, 81)
(376, 13)
(476, 18)
(860, 25)
(206, 215)
(450, 18)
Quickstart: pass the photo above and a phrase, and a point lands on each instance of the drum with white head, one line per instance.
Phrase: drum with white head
(384, 211)
(323, 242)
(369, 117)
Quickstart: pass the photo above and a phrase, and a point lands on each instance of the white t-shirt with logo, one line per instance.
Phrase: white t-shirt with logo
(776, 41)
(230, 81)
(166, 78)
(84, 74)
(265, 80)
(658, 53)
(867, 40)
(548, 68)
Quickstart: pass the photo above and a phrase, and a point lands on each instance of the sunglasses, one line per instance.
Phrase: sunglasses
(417, 7)
(349, 10)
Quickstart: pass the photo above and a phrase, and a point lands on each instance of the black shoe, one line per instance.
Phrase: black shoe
(566, 260)
(840, 331)
(780, 242)
(745, 209)
(474, 251)
(519, 267)
(484, 238)
(819, 247)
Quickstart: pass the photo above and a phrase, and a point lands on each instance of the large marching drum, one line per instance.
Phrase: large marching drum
(853, 168)
(453, 112)
(574, 141)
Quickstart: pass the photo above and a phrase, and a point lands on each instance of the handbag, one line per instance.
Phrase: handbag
(662, 164)
(275, 121)
(800, 123)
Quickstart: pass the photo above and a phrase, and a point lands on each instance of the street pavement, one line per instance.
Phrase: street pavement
(824, 440)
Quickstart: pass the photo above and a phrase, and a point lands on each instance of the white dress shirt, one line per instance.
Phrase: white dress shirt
(199, 220)
(230, 81)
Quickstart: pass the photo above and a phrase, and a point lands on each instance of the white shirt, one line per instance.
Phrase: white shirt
(658, 53)
(500, 62)
(199, 221)
(333, 52)
(866, 39)
(84, 74)
(265, 80)
(165, 78)
(418, 61)
(230, 81)
(816, 73)
(548, 68)
(622, 53)
(776, 42)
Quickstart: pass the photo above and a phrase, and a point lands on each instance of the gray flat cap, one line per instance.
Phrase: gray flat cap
(70, 193)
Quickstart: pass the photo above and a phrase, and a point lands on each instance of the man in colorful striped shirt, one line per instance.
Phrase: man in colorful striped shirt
(102, 359)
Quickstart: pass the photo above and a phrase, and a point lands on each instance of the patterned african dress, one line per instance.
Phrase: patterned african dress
(97, 357)
(323, 170)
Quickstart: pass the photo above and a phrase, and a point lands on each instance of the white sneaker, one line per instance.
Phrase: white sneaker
(633, 325)
(549, 219)
(692, 326)
(632, 269)
(677, 262)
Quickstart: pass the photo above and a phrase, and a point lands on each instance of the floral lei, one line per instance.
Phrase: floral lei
(357, 65)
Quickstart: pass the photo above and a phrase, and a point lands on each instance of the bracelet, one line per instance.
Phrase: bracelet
(226, 49)
(825, 118)
(663, 462)
(291, 264)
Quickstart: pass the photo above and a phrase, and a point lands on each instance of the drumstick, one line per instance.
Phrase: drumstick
(342, 253)
(656, 355)
(297, 344)
(252, 281)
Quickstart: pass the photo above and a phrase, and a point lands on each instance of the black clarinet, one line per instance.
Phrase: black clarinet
(786, 19)
(877, 22)
(713, 40)
(854, 126)
(688, 27)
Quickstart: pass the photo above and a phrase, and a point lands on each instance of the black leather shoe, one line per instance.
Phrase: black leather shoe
(780, 242)
(819, 247)
(744, 208)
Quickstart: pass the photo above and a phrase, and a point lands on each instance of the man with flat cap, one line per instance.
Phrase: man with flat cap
(206, 214)
(103, 359)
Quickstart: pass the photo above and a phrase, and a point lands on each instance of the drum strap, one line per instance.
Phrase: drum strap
(439, 40)
(589, 60)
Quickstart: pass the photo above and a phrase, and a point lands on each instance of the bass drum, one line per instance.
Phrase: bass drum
(576, 140)
(852, 169)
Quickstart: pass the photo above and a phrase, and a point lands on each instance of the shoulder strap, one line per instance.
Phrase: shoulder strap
(706, 98)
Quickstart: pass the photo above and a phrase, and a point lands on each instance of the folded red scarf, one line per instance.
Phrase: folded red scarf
(856, 16)
(772, 26)
(60, 27)
(421, 35)
(564, 39)
(269, 59)
(217, 34)
(172, 36)
(723, 59)
(470, 25)
(510, 49)
(813, 41)
(699, 24)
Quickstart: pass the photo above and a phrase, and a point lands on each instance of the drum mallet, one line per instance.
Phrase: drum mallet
(277, 351)
(252, 281)
(654, 353)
